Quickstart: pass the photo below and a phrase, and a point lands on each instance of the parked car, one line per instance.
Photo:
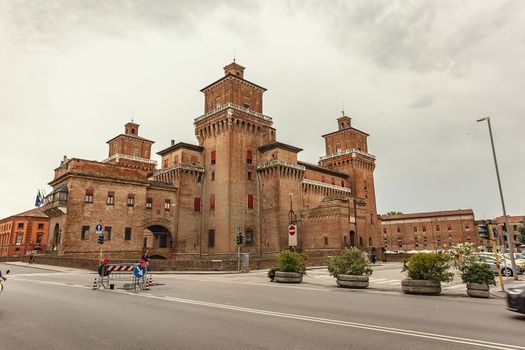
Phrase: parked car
(516, 299)
(491, 260)
(518, 258)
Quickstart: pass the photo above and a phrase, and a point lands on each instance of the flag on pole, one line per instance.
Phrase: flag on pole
(38, 200)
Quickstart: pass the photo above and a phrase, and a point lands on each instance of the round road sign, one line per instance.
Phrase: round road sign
(292, 229)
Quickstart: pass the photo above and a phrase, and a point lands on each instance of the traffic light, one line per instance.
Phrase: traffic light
(100, 239)
(483, 230)
(240, 238)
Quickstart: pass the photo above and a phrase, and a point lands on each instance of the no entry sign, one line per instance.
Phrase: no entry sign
(292, 235)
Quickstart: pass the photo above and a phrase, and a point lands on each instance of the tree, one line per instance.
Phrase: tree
(390, 213)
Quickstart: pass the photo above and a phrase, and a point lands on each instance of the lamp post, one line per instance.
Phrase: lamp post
(509, 237)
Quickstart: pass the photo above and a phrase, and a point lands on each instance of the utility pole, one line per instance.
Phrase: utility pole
(509, 237)
(495, 250)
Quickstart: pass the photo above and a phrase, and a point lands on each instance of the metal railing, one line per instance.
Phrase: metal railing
(325, 185)
(347, 151)
(234, 107)
(276, 162)
(118, 156)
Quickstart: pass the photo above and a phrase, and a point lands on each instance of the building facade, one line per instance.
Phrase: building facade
(237, 178)
(434, 231)
(24, 232)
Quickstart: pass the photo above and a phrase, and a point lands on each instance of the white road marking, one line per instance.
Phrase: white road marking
(370, 327)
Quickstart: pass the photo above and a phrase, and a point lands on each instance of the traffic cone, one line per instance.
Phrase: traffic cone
(95, 284)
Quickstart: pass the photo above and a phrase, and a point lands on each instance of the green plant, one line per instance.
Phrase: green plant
(271, 273)
(428, 266)
(478, 273)
(288, 261)
(351, 262)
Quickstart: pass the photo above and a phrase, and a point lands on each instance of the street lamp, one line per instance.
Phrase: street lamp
(509, 238)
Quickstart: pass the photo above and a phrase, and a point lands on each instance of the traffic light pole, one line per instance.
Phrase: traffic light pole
(509, 238)
(495, 250)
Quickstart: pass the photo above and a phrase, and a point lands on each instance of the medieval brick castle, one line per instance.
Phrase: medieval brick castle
(238, 177)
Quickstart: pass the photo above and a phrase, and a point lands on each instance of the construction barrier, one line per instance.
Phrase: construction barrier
(109, 274)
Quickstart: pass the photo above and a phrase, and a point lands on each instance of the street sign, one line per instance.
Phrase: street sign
(292, 235)
(98, 228)
(139, 272)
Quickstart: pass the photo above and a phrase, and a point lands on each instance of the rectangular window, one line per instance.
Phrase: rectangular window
(211, 238)
(127, 234)
(89, 196)
(384, 230)
(20, 226)
(415, 228)
(398, 229)
(213, 157)
(111, 198)
(212, 202)
(18, 239)
(107, 233)
(149, 203)
(437, 227)
(84, 235)
(131, 200)
(361, 241)
(249, 157)
(196, 204)
(449, 227)
(249, 175)
(250, 201)
(38, 239)
(342, 183)
(165, 163)
(176, 159)
(213, 176)
(424, 229)
(167, 204)
(40, 226)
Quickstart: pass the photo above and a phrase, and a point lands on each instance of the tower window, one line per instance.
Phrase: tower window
(89, 196)
(249, 175)
(212, 202)
(133, 131)
(167, 204)
(249, 157)
(110, 200)
(213, 176)
(127, 234)
(131, 200)
(107, 233)
(248, 236)
(250, 201)
(325, 240)
(149, 203)
(213, 157)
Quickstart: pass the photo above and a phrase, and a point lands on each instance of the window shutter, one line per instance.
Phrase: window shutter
(249, 155)
(196, 204)
(250, 201)
(213, 156)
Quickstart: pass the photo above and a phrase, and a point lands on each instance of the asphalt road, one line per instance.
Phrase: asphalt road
(41, 309)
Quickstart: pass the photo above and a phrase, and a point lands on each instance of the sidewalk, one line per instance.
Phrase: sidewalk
(43, 267)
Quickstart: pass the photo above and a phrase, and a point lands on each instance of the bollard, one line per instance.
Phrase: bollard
(95, 284)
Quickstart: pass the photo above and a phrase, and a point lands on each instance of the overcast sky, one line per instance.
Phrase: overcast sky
(415, 75)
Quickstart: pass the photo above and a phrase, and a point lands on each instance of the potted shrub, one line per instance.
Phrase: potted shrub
(351, 269)
(478, 277)
(425, 273)
(291, 267)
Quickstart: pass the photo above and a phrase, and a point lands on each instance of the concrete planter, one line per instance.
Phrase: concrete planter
(288, 277)
(478, 290)
(352, 281)
(426, 287)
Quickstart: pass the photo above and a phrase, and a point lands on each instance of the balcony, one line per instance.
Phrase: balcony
(227, 106)
(117, 156)
(352, 151)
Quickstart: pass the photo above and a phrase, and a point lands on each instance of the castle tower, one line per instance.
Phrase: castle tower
(131, 150)
(231, 131)
(347, 152)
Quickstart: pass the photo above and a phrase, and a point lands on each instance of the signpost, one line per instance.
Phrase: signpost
(292, 235)
(100, 239)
